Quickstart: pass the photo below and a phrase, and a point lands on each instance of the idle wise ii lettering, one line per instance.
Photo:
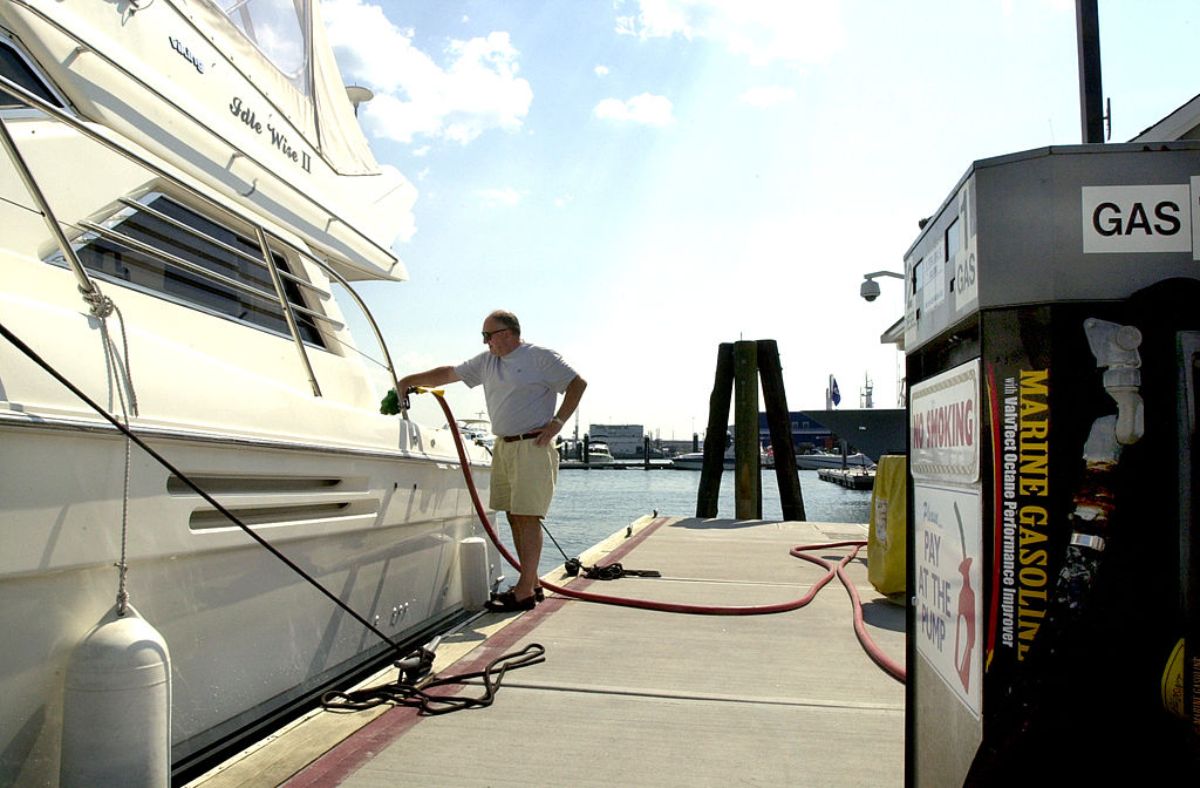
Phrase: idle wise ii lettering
(249, 117)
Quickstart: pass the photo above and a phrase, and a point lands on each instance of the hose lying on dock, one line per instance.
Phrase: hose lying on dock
(876, 654)
(873, 651)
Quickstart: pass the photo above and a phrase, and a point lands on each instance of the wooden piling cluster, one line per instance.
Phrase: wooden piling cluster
(740, 366)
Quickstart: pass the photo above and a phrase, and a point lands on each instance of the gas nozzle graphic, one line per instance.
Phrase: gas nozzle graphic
(1116, 350)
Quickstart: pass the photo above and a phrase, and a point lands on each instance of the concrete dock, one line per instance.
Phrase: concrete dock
(637, 697)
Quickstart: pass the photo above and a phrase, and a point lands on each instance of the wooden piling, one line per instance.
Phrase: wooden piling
(778, 422)
(708, 496)
(747, 448)
(739, 367)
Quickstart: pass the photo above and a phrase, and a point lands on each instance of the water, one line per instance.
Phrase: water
(591, 505)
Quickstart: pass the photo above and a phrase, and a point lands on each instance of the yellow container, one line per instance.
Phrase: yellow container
(888, 537)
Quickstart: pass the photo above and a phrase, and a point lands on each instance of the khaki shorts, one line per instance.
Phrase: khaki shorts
(523, 477)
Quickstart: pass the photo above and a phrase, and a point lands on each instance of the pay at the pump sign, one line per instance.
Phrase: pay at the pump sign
(933, 592)
(948, 594)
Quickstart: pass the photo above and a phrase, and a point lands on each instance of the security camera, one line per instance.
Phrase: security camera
(869, 289)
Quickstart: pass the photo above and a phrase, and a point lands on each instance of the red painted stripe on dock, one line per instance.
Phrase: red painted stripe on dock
(361, 746)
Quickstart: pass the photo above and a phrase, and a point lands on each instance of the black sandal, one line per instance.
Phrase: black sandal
(507, 602)
(538, 594)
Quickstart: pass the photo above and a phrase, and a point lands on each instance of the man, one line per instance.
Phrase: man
(521, 384)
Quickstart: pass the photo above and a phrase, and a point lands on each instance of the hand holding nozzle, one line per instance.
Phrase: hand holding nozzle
(393, 403)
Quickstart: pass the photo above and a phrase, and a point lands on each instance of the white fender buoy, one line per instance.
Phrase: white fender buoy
(117, 706)
(473, 560)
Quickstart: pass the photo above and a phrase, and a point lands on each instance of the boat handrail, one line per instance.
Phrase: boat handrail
(331, 271)
(177, 261)
(86, 286)
(268, 240)
(288, 314)
(85, 47)
(233, 250)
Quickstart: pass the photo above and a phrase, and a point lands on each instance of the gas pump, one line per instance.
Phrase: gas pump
(1052, 331)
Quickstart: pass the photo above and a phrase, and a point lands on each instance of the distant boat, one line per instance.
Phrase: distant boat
(874, 432)
(477, 431)
(821, 459)
(694, 460)
(599, 454)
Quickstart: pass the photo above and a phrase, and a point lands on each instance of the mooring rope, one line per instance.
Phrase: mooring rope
(118, 372)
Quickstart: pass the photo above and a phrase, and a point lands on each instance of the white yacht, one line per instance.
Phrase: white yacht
(694, 460)
(599, 453)
(185, 197)
(816, 460)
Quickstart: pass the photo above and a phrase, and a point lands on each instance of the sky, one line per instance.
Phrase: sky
(642, 180)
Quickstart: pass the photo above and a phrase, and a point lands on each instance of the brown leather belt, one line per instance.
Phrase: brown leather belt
(525, 437)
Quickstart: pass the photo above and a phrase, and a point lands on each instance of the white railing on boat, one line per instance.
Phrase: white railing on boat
(268, 241)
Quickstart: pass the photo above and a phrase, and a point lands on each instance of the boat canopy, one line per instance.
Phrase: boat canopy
(281, 46)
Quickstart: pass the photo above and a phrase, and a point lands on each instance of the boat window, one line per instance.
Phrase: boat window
(279, 29)
(17, 68)
(159, 246)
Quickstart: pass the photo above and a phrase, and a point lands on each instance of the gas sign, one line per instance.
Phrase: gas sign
(1124, 219)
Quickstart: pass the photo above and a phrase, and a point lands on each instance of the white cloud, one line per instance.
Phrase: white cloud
(762, 30)
(499, 198)
(601, 71)
(646, 109)
(767, 96)
(562, 201)
(477, 89)
(659, 18)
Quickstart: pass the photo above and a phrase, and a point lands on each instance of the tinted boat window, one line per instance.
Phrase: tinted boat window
(14, 67)
(162, 247)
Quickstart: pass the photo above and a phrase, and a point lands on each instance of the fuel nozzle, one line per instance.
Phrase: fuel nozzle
(1116, 350)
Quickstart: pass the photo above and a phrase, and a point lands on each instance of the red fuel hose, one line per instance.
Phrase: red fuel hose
(876, 654)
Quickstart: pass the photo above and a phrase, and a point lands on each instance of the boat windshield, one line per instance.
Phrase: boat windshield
(15, 67)
(278, 28)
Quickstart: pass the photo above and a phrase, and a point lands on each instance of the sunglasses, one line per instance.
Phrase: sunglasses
(487, 335)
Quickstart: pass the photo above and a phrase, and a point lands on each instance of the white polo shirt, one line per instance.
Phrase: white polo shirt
(521, 388)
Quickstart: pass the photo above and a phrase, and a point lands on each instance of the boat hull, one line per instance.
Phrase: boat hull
(248, 636)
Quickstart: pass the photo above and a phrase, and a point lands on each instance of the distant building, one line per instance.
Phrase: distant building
(807, 434)
(624, 440)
